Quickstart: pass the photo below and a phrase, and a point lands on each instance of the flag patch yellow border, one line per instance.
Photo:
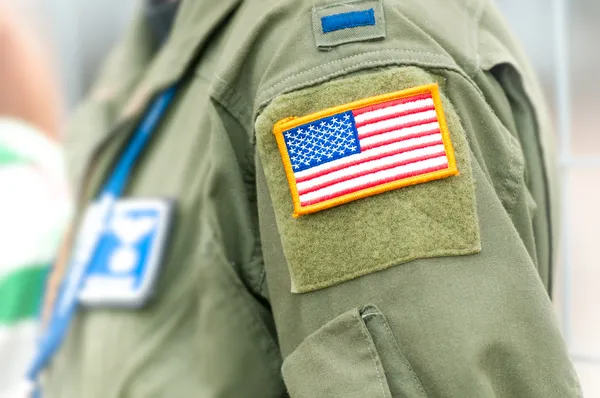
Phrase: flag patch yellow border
(364, 148)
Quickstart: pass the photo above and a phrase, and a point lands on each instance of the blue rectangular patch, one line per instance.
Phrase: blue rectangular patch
(347, 20)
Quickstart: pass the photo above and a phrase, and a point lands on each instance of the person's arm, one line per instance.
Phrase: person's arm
(427, 290)
(29, 88)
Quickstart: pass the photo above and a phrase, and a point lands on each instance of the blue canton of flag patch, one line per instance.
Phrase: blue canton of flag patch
(125, 265)
(365, 148)
(322, 141)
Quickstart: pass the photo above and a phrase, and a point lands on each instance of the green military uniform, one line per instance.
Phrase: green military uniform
(439, 289)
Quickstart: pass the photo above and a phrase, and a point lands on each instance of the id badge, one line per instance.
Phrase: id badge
(125, 265)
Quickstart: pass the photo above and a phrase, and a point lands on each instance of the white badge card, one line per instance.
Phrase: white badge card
(127, 259)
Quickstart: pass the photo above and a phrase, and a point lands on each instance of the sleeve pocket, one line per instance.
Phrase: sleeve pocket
(351, 356)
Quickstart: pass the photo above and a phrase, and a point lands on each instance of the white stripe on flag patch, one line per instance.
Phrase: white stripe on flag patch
(410, 106)
(373, 165)
(382, 177)
(418, 131)
(396, 135)
(365, 148)
(397, 122)
(371, 154)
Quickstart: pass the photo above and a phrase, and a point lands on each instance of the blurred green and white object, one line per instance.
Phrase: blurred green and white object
(35, 207)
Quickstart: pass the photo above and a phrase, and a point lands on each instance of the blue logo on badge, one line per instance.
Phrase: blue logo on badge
(125, 265)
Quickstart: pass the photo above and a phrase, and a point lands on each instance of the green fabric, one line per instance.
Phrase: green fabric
(313, 369)
(20, 294)
(504, 64)
(328, 40)
(206, 334)
(431, 219)
(224, 317)
(402, 379)
(451, 316)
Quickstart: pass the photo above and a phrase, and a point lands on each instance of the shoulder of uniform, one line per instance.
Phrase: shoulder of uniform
(277, 46)
(126, 58)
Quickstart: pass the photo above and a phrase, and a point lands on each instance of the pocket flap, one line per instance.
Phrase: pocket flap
(338, 360)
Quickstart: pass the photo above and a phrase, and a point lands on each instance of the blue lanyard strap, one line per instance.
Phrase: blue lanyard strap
(66, 304)
(118, 180)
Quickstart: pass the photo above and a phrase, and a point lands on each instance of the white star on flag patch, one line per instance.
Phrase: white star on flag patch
(364, 148)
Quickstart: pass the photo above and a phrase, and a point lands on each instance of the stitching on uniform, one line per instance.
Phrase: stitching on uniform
(478, 21)
(519, 170)
(472, 16)
(508, 178)
(510, 206)
(512, 173)
(261, 284)
(286, 141)
(353, 56)
(475, 45)
(373, 355)
(390, 61)
(347, 58)
(223, 97)
(414, 375)
(338, 4)
(257, 320)
(470, 248)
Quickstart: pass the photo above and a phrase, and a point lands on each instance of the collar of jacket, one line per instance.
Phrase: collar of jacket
(160, 15)
(196, 20)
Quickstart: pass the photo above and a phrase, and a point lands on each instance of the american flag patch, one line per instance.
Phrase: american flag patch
(364, 148)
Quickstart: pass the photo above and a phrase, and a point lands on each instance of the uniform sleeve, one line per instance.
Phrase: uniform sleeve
(425, 290)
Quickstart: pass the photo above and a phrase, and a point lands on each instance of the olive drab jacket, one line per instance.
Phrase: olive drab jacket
(427, 284)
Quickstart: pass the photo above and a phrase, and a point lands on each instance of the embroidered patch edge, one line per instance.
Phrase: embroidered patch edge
(291, 122)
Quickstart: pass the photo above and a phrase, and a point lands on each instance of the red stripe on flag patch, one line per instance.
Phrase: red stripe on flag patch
(396, 127)
(369, 158)
(394, 115)
(370, 171)
(387, 142)
(364, 148)
(373, 184)
(375, 107)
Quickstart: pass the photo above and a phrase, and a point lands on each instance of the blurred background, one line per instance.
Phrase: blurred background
(561, 38)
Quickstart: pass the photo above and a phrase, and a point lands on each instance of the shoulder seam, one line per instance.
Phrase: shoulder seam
(274, 86)
(478, 16)
(266, 98)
